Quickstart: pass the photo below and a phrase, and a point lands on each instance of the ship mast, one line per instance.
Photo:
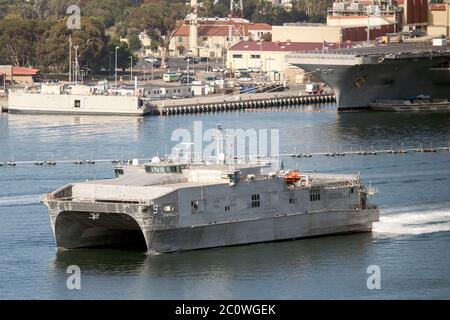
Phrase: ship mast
(70, 59)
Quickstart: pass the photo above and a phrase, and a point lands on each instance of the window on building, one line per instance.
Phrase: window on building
(77, 104)
(292, 200)
(314, 194)
(237, 56)
(205, 38)
(180, 39)
(256, 203)
(255, 56)
(227, 208)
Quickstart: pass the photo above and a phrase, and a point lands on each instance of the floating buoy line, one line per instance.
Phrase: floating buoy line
(329, 154)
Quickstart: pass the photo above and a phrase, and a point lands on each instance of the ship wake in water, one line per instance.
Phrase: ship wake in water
(20, 200)
(413, 221)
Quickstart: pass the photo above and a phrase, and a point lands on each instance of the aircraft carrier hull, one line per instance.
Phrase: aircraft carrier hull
(359, 80)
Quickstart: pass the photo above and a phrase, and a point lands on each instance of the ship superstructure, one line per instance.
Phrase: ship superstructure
(168, 206)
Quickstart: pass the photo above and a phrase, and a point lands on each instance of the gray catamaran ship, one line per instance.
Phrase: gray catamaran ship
(383, 76)
(166, 206)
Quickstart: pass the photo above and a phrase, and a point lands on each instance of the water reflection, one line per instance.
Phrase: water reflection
(256, 261)
(383, 129)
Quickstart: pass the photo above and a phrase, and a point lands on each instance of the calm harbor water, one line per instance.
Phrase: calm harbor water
(410, 244)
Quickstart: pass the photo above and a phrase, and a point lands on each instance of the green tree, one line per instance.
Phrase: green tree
(212, 9)
(134, 42)
(91, 41)
(123, 53)
(160, 20)
(109, 12)
(19, 39)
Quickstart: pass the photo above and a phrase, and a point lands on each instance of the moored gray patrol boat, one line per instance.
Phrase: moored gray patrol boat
(166, 206)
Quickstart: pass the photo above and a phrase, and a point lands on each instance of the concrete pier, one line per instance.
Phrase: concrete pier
(237, 102)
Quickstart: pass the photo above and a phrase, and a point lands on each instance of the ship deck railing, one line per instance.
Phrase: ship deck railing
(407, 51)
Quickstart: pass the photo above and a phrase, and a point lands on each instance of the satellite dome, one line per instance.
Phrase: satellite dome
(156, 160)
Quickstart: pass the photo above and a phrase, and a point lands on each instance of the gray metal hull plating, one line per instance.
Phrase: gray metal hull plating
(357, 86)
(279, 228)
(123, 224)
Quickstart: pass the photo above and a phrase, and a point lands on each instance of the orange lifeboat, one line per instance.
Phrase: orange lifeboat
(292, 177)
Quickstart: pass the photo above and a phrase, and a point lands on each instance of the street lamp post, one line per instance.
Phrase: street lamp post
(131, 70)
(110, 63)
(189, 55)
(260, 61)
(70, 60)
(369, 13)
(145, 75)
(152, 71)
(115, 70)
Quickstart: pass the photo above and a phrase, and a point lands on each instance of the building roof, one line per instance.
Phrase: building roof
(282, 46)
(438, 7)
(221, 28)
(259, 26)
(205, 31)
(22, 71)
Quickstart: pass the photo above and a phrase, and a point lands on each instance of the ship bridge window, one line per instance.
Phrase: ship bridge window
(163, 169)
(118, 172)
(256, 202)
(314, 194)
(197, 206)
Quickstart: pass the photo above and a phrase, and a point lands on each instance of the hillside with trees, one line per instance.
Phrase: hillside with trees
(264, 11)
(34, 32)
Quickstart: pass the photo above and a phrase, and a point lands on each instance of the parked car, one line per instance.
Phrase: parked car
(187, 79)
(152, 60)
(218, 69)
(244, 79)
(210, 79)
(191, 60)
(253, 69)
